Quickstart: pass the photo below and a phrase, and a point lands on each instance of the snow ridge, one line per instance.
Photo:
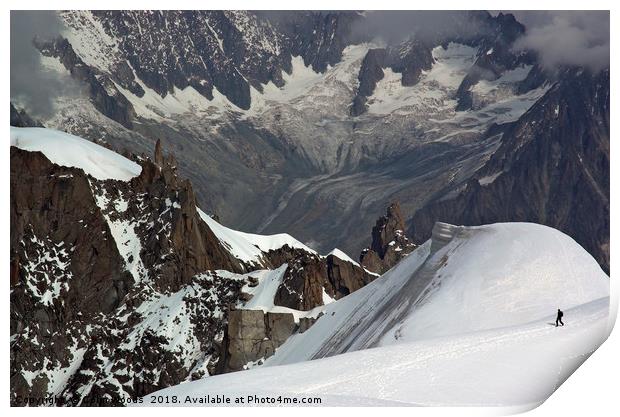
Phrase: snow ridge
(473, 305)
(71, 151)
(249, 247)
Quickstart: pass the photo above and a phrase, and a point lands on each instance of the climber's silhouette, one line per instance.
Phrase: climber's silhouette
(559, 318)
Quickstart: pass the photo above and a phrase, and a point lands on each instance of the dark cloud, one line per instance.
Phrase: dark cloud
(32, 85)
(567, 37)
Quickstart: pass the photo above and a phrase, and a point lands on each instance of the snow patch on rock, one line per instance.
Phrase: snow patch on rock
(249, 247)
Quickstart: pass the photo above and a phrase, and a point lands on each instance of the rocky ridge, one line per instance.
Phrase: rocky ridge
(552, 168)
(119, 288)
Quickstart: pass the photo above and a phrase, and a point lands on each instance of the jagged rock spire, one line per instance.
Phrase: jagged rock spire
(387, 229)
(389, 243)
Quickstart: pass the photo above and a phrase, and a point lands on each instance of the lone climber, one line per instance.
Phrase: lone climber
(559, 318)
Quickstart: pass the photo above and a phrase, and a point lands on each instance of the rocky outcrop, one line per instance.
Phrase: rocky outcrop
(345, 277)
(371, 72)
(389, 243)
(171, 224)
(551, 168)
(306, 322)
(160, 208)
(410, 58)
(303, 283)
(94, 265)
(55, 221)
(65, 265)
(310, 278)
(253, 336)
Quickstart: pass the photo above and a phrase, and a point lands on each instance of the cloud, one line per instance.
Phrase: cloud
(559, 38)
(33, 86)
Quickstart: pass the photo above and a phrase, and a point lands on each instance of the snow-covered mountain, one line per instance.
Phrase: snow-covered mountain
(120, 285)
(552, 167)
(465, 320)
(320, 123)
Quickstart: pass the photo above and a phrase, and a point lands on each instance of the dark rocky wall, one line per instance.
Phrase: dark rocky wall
(552, 168)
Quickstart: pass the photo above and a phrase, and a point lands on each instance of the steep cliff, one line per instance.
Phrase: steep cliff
(552, 168)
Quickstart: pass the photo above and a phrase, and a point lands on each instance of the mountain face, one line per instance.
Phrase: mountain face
(124, 52)
(552, 168)
(298, 122)
(121, 286)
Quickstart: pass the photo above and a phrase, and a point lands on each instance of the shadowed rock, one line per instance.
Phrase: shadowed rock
(389, 243)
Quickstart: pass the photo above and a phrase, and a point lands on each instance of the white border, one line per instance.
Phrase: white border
(591, 391)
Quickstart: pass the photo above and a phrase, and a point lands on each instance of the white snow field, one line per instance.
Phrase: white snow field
(72, 151)
(465, 320)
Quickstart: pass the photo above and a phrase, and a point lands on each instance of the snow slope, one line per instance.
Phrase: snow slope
(512, 367)
(466, 279)
(250, 247)
(497, 279)
(72, 151)
(466, 319)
